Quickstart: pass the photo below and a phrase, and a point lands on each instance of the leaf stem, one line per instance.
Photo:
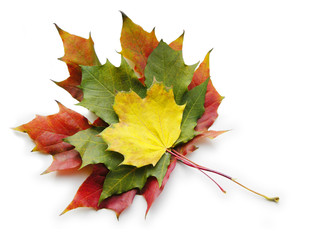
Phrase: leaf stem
(190, 163)
(201, 167)
(273, 199)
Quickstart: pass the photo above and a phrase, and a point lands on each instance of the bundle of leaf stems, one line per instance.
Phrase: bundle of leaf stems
(190, 163)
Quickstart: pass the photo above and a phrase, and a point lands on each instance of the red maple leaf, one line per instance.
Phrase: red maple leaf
(48, 133)
(77, 51)
(89, 193)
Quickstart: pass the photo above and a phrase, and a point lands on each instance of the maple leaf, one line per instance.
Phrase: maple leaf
(212, 98)
(212, 101)
(193, 111)
(71, 84)
(48, 133)
(78, 51)
(92, 148)
(125, 177)
(100, 84)
(137, 44)
(146, 127)
(152, 189)
(89, 193)
(167, 66)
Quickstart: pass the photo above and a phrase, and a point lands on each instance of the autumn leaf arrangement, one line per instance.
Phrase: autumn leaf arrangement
(151, 110)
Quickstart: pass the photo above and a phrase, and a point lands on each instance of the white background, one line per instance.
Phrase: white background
(262, 63)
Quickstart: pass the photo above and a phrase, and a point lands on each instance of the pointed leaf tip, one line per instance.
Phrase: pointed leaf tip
(124, 16)
(45, 172)
(60, 105)
(177, 44)
(64, 211)
(57, 27)
(19, 129)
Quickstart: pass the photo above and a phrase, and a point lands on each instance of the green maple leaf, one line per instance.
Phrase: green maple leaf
(125, 177)
(100, 85)
(167, 66)
(92, 148)
(193, 111)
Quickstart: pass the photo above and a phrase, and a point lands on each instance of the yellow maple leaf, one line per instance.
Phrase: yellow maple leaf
(146, 127)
